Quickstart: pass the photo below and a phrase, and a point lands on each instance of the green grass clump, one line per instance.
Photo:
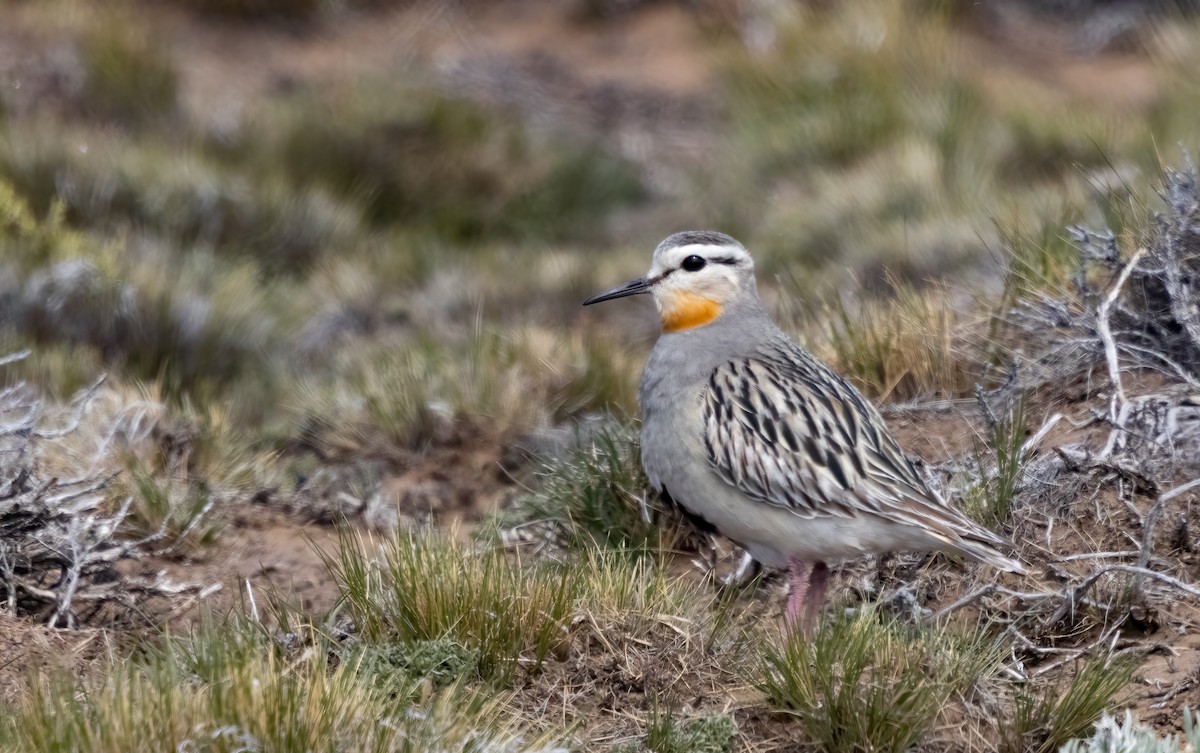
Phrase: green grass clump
(232, 688)
(992, 490)
(188, 468)
(595, 494)
(632, 599)
(1038, 258)
(407, 392)
(1046, 717)
(865, 683)
(424, 587)
(502, 381)
(162, 504)
(910, 344)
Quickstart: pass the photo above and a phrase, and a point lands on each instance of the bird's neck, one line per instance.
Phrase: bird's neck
(684, 311)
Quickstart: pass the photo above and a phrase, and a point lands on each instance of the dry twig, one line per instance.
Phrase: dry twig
(59, 542)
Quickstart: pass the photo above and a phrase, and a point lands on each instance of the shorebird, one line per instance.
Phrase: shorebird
(757, 440)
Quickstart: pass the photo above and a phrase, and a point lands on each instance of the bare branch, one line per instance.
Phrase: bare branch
(1110, 345)
(970, 598)
(1152, 520)
(1076, 593)
(82, 402)
(1033, 441)
(20, 355)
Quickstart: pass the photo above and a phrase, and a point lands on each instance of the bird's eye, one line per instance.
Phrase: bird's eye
(693, 263)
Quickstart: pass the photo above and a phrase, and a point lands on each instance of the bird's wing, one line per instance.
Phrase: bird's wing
(789, 432)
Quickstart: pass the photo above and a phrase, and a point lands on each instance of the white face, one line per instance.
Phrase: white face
(715, 273)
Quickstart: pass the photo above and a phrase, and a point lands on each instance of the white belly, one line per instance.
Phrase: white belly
(773, 535)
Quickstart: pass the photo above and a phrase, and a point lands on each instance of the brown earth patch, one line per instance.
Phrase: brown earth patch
(262, 549)
(456, 487)
(28, 649)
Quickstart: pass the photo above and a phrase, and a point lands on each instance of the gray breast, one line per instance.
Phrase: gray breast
(671, 397)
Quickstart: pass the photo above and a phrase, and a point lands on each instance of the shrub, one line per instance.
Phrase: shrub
(1116, 735)
(186, 201)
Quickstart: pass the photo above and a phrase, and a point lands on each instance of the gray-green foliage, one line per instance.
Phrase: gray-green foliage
(441, 661)
(191, 200)
(1127, 735)
(715, 733)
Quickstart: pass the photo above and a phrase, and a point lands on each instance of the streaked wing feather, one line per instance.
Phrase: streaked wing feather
(787, 431)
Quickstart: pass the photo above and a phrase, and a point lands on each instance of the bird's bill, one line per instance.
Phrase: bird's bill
(633, 287)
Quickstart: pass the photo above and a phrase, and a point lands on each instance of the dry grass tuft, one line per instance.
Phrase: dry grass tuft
(427, 587)
(233, 688)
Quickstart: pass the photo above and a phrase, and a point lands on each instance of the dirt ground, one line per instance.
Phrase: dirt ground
(26, 648)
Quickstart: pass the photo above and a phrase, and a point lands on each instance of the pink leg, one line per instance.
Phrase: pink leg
(808, 583)
(816, 596)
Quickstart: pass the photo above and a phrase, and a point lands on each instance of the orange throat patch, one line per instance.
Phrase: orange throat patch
(687, 311)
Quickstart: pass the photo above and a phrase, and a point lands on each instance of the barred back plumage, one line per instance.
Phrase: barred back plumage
(787, 431)
(754, 437)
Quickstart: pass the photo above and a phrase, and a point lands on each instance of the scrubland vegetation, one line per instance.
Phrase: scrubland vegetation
(355, 277)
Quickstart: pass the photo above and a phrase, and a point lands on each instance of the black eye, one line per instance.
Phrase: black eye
(693, 263)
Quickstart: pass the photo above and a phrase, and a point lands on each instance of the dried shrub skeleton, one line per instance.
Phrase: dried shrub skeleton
(61, 537)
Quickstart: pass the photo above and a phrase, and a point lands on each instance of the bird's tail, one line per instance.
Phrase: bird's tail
(960, 533)
(985, 551)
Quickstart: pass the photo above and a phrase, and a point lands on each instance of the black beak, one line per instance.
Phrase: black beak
(633, 287)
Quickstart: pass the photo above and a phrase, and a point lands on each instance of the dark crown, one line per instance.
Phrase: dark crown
(697, 238)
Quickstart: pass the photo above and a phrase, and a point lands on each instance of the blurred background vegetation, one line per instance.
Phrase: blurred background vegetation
(314, 229)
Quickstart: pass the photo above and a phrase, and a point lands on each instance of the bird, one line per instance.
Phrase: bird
(755, 439)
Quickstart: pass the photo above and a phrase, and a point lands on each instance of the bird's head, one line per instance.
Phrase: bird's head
(695, 277)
